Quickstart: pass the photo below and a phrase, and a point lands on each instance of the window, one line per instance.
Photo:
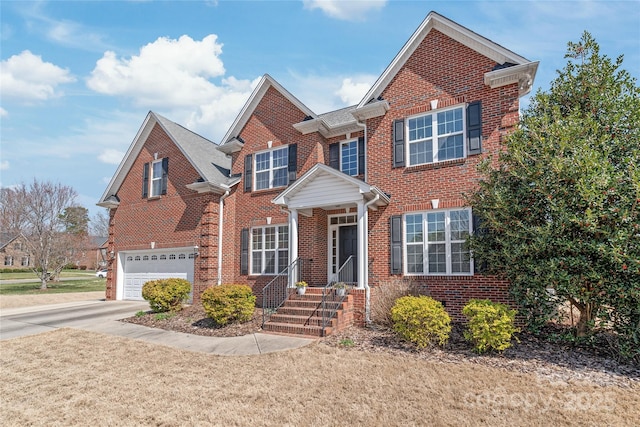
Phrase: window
(271, 168)
(8, 260)
(25, 261)
(269, 249)
(436, 137)
(156, 178)
(349, 157)
(435, 242)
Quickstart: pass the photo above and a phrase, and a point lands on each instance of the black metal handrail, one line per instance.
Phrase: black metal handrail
(331, 298)
(276, 292)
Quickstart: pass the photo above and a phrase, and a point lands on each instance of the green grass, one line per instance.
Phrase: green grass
(88, 285)
(32, 275)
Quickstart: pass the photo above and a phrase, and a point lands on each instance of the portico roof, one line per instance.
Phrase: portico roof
(327, 188)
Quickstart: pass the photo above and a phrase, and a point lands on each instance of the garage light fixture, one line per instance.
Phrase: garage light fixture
(103, 252)
(195, 251)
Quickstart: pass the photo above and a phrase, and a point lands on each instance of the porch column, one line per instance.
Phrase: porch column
(362, 242)
(293, 245)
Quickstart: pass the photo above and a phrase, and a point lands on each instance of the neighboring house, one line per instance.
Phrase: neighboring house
(380, 183)
(14, 251)
(89, 256)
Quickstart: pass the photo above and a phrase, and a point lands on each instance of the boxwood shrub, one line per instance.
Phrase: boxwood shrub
(229, 303)
(421, 320)
(166, 294)
(491, 325)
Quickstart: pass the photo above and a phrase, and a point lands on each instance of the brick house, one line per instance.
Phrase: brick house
(366, 195)
(15, 251)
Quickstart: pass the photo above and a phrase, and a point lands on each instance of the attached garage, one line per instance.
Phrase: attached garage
(138, 267)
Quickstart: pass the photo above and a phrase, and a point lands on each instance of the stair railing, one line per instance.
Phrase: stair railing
(276, 292)
(332, 298)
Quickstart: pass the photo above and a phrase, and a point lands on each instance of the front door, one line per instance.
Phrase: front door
(348, 245)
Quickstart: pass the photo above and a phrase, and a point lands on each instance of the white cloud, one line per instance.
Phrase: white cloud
(166, 73)
(111, 156)
(3, 112)
(351, 91)
(328, 92)
(28, 77)
(4, 165)
(345, 10)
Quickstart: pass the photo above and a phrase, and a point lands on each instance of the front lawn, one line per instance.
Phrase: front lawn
(27, 274)
(91, 284)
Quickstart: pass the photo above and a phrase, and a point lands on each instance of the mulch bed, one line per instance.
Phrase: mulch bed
(550, 361)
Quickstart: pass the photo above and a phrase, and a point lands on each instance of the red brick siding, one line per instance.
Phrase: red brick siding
(180, 218)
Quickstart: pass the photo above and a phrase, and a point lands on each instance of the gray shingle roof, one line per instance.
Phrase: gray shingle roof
(212, 164)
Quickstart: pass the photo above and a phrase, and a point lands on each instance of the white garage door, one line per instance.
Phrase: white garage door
(140, 267)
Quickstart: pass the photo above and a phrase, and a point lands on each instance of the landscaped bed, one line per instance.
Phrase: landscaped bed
(553, 361)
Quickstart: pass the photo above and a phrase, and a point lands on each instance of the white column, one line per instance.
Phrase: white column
(362, 241)
(293, 243)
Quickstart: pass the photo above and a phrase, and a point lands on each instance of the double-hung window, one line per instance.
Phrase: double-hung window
(436, 137)
(271, 168)
(156, 178)
(436, 243)
(269, 249)
(349, 157)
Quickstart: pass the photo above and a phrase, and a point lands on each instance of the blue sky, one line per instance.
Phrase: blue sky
(78, 78)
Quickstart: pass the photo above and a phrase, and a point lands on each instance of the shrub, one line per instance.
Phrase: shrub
(421, 320)
(166, 294)
(229, 303)
(491, 325)
(385, 297)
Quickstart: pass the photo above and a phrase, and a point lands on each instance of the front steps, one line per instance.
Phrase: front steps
(302, 315)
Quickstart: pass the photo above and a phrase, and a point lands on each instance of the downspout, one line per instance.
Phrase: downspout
(367, 289)
(220, 228)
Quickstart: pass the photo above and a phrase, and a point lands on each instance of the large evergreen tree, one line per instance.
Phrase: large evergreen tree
(561, 207)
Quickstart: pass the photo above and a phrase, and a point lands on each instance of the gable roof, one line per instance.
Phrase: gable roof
(212, 165)
(517, 68)
(230, 143)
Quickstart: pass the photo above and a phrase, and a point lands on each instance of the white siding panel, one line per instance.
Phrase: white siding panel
(324, 190)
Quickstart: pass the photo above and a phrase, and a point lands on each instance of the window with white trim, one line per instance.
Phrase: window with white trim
(156, 178)
(269, 249)
(436, 242)
(349, 157)
(436, 137)
(8, 260)
(271, 168)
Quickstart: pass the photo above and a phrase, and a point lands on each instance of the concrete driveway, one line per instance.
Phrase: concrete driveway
(103, 317)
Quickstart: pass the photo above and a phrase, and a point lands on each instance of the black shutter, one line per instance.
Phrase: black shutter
(396, 244)
(361, 155)
(478, 230)
(165, 174)
(474, 128)
(334, 156)
(293, 162)
(145, 180)
(248, 178)
(398, 143)
(244, 251)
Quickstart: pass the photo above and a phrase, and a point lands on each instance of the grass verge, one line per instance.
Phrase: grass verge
(64, 286)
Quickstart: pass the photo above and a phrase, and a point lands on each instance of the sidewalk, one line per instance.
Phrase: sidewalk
(103, 317)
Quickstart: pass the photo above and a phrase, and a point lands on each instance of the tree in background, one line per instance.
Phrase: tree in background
(44, 205)
(561, 210)
(75, 220)
(100, 223)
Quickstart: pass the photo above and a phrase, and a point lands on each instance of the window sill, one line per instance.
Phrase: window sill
(458, 276)
(438, 165)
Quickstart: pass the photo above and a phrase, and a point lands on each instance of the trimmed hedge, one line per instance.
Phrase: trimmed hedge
(491, 325)
(421, 320)
(166, 294)
(229, 303)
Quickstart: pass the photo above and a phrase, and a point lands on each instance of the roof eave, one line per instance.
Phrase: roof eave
(232, 146)
(371, 110)
(523, 75)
